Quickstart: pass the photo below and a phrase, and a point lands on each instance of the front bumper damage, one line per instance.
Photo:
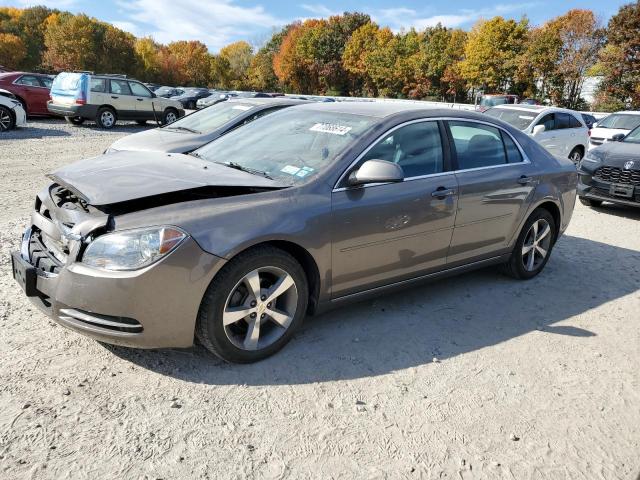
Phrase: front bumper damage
(154, 307)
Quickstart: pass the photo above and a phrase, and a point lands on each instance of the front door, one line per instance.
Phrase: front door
(551, 138)
(122, 99)
(495, 185)
(390, 232)
(144, 102)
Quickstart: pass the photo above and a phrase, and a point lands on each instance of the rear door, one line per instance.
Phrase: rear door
(495, 186)
(34, 93)
(143, 101)
(383, 233)
(122, 98)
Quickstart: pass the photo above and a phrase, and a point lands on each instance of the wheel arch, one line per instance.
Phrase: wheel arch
(554, 210)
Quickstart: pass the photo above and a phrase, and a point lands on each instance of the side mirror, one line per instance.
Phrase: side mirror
(153, 95)
(618, 137)
(538, 129)
(376, 171)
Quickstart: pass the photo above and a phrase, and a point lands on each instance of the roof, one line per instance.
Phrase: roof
(386, 109)
(258, 101)
(536, 108)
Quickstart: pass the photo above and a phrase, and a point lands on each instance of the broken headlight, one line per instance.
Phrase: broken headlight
(132, 249)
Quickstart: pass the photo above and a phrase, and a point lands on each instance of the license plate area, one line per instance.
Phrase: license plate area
(621, 190)
(24, 274)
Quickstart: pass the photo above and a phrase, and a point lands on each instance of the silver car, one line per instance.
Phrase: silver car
(295, 213)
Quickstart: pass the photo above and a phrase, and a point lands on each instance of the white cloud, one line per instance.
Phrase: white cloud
(214, 22)
(60, 4)
(319, 10)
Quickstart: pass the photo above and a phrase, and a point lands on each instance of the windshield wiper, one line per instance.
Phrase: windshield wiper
(185, 129)
(242, 168)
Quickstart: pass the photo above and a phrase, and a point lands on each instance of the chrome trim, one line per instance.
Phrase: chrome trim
(525, 158)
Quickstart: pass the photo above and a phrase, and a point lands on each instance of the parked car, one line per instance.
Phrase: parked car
(215, 98)
(294, 213)
(614, 124)
(485, 102)
(31, 89)
(11, 112)
(152, 86)
(203, 126)
(562, 132)
(589, 120)
(611, 172)
(190, 97)
(168, 92)
(529, 101)
(107, 99)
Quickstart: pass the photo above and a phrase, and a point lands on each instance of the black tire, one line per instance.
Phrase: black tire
(103, 116)
(141, 122)
(589, 202)
(74, 120)
(7, 120)
(210, 330)
(170, 115)
(576, 155)
(515, 267)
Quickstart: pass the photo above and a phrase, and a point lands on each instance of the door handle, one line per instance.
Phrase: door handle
(139, 99)
(114, 96)
(442, 192)
(523, 180)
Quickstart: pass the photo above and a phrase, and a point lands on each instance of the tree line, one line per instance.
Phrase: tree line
(349, 54)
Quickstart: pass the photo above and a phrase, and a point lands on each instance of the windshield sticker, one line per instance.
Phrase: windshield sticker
(244, 108)
(525, 117)
(304, 171)
(290, 169)
(330, 128)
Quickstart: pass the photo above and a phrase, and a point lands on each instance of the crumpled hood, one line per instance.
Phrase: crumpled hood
(122, 176)
(163, 140)
(617, 154)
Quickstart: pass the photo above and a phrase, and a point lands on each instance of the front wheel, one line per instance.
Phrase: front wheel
(7, 121)
(169, 116)
(533, 247)
(576, 155)
(253, 306)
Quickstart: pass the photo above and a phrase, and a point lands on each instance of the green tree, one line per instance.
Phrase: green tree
(147, 60)
(619, 61)
(71, 52)
(238, 56)
(360, 45)
(492, 53)
(261, 75)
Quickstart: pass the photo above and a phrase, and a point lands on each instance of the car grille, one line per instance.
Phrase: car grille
(617, 175)
(95, 320)
(42, 257)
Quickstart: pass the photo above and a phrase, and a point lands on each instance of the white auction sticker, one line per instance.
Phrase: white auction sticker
(525, 117)
(330, 128)
(244, 108)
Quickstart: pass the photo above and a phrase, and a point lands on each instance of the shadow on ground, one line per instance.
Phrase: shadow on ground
(58, 127)
(619, 210)
(443, 319)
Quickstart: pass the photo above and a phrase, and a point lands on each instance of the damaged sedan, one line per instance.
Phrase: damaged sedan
(302, 210)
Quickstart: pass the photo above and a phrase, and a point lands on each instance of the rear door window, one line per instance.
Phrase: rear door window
(29, 81)
(98, 85)
(563, 121)
(46, 82)
(120, 87)
(574, 122)
(477, 145)
(513, 152)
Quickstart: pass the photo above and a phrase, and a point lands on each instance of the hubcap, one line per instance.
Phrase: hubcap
(5, 120)
(107, 119)
(536, 245)
(576, 157)
(260, 308)
(171, 117)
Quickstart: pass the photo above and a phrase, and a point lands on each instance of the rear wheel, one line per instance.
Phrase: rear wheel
(590, 202)
(253, 306)
(74, 120)
(7, 122)
(576, 155)
(106, 118)
(533, 247)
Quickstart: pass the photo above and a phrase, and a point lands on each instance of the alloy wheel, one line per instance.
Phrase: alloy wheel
(5, 120)
(260, 308)
(107, 118)
(536, 245)
(170, 118)
(576, 157)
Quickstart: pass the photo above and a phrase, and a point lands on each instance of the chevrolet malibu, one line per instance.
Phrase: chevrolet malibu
(302, 210)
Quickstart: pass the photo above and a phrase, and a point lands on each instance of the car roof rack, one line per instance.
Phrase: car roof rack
(83, 71)
(116, 75)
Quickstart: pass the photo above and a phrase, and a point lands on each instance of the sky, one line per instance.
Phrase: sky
(220, 22)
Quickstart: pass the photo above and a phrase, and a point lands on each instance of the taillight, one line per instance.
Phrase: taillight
(81, 101)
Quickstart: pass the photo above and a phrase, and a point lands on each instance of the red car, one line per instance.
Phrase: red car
(32, 89)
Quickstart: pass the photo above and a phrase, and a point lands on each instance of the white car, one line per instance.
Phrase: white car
(561, 131)
(619, 122)
(11, 112)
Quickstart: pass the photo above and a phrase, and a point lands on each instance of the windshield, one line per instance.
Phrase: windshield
(633, 136)
(516, 118)
(621, 121)
(210, 119)
(290, 145)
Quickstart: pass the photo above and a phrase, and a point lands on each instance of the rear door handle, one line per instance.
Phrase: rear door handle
(113, 96)
(523, 180)
(442, 192)
(139, 99)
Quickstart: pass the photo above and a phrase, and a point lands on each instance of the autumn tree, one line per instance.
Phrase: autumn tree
(71, 52)
(361, 44)
(147, 61)
(238, 56)
(620, 59)
(12, 50)
(261, 75)
(492, 52)
(191, 61)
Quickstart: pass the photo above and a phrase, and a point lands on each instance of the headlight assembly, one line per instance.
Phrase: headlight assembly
(132, 249)
(110, 150)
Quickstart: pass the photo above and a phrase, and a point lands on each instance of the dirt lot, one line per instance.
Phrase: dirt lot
(477, 376)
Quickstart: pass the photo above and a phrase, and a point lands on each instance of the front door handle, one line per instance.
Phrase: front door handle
(442, 192)
(139, 99)
(523, 180)
(113, 96)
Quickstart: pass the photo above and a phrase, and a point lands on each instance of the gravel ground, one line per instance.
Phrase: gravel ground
(477, 376)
